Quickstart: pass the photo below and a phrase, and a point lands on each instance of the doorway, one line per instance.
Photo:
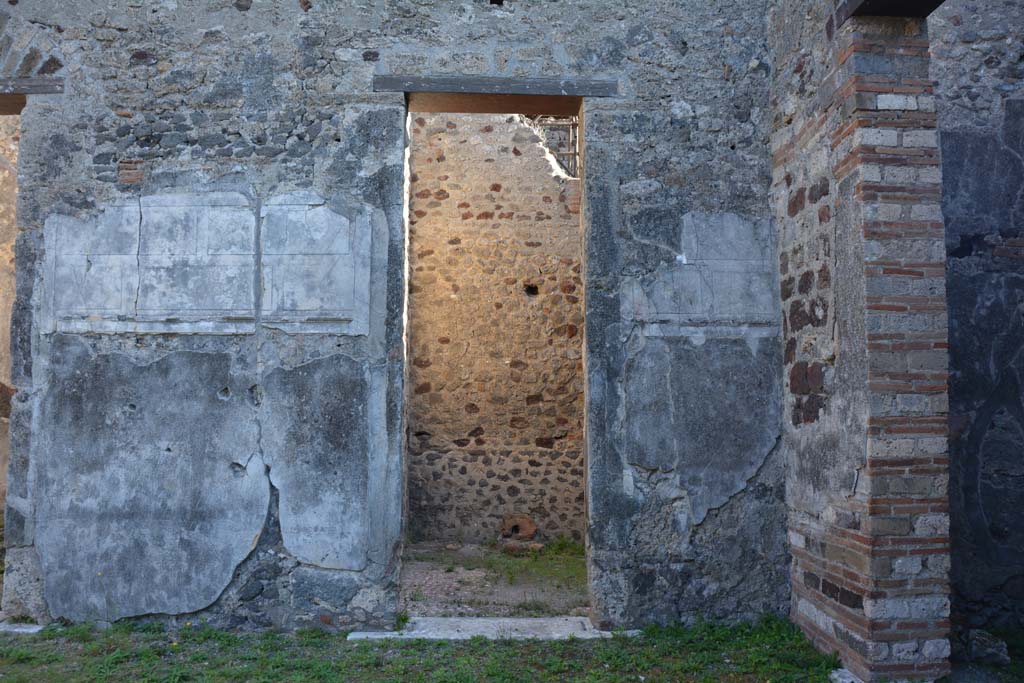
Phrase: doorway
(496, 505)
(9, 138)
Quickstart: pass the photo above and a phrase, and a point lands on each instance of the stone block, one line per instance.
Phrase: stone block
(907, 566)
(890, 101)
(936, 649)
(23, 585)
(920, 607)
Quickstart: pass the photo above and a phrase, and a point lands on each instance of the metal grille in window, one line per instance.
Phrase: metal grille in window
(562, 137)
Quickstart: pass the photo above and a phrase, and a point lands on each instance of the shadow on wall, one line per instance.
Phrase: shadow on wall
(985, 283)
(980, 85)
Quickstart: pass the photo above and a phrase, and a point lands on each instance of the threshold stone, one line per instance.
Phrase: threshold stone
(492, 628)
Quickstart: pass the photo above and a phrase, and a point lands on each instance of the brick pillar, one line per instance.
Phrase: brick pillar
(891, 165)
(867, 386)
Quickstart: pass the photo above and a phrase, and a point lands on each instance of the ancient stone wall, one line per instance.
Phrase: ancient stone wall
(495, 332)
(978, 64)
(216, 415)
(208, 324)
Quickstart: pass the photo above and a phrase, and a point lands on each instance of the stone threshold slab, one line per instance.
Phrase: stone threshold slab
(11, 627)
(492, 628)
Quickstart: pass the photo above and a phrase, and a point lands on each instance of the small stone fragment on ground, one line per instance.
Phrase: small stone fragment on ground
(985, 648)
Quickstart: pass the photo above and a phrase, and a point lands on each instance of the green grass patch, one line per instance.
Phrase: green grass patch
(772, 650)
(563, 545)
(401, 620)
(561, 564)
(1015, 646)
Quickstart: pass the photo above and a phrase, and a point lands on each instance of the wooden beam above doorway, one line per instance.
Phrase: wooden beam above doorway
(14, 91)
(462, 103)
(884, 8)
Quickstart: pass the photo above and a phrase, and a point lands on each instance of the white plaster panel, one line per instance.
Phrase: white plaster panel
(721, 284)
(316, 267)
(172, 287)
(165, 263)
(187, 263)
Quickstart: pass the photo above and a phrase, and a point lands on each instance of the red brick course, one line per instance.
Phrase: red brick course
(870, 575)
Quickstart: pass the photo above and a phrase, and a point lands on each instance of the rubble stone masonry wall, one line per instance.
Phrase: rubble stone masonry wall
(495, 332)
(208, 341)
(978, 65)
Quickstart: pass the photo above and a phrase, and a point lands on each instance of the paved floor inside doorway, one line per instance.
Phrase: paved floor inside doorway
(451, 580)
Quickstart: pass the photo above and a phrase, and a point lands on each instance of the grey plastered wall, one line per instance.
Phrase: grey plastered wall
(682, 336)
(146, 431)
(209, 361)
(977, 53)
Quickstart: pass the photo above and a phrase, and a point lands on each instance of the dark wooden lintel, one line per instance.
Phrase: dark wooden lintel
(463, 103)
(31, 86)
(485, 85)
(11, 105)
(883, 8)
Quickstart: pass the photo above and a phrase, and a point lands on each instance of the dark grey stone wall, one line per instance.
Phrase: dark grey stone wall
(196, 432)
(978, 63)
(279, 438)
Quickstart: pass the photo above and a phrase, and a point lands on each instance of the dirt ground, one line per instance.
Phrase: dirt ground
(441, 580)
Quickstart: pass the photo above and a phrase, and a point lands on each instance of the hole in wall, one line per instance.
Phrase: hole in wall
(531, 290)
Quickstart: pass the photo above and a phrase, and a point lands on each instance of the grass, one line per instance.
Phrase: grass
(401, 621)
(1015, 645)
(772, 650)
(561, 563)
